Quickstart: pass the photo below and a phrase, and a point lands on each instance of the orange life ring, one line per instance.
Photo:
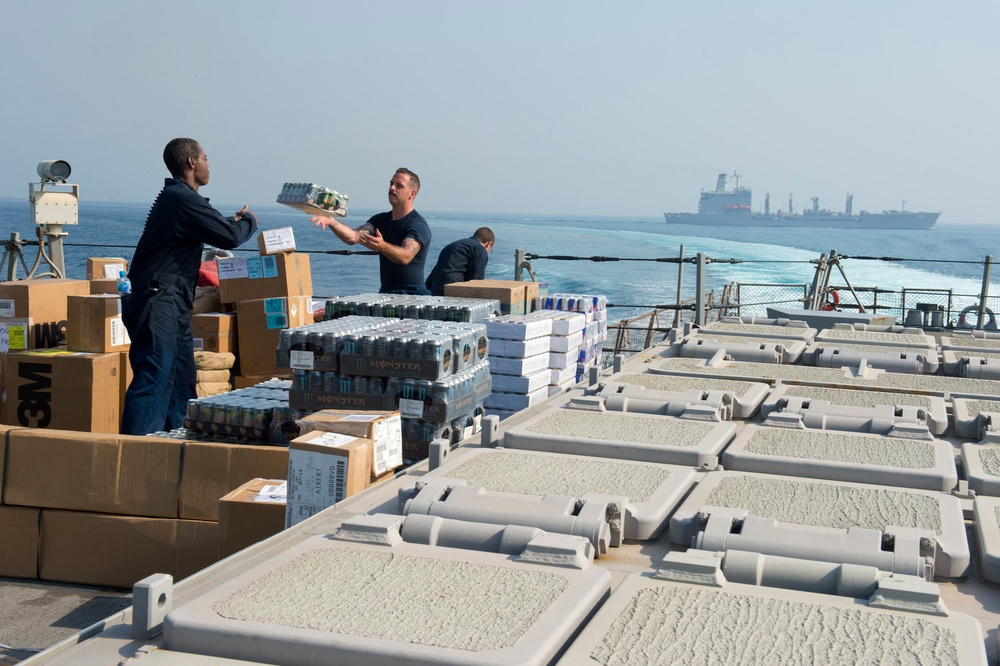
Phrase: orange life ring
(833, 300)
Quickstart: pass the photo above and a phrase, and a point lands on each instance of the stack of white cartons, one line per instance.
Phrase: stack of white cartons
(532, 357)
(519, 362)
(593, 333)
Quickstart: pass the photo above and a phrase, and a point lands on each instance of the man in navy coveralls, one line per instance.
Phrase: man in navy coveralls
(164, 270)
(461, 261)
(401, 237)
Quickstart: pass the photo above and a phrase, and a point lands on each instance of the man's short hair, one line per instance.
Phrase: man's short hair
(176, 155)
(485, 235)
(414, 179)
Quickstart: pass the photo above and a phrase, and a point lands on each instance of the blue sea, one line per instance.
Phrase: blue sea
(949, 256)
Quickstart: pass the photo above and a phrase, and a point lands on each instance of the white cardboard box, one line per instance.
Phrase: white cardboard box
(501, 365)
(523, 384)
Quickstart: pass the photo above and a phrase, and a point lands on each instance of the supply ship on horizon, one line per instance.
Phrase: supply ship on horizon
(722, 207)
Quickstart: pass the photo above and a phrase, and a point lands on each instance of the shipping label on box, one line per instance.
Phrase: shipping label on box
(14, 334)
(7, 307)
(268, 266)
(273, 241)
(94, 324)
(231, 268)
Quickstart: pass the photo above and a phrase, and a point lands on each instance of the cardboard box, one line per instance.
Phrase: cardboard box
(124, 379)
(44, 301)
(211, 470)
(261, 322)
(245, 519)
(19, 554)
(94, 324)
(104, 286)
(276, 241)
(59, 389)
(119, 474)
(105, 268)
(217, 332)
(383, 428)
(323, 469)
(266, 276)
(516, 297)
(118, 551)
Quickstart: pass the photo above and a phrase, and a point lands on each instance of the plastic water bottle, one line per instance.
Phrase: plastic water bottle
(124, 284)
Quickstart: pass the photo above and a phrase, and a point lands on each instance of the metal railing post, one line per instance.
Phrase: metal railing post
(699, 298)
(984, 293)
(518, 263)
(680, 282)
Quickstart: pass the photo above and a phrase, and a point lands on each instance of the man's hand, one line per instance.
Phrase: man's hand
(373, 241)
(323, 221)
(245, 212)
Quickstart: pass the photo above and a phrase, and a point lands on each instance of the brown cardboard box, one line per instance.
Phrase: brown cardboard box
(210, 470)
(216, 330)
(118, 551)
(19, 553)
(124, 379)
(244, 521)
(515, 297)
(103, 287)
(120, 474)
(44, 300)
(260, 323)
(275, 241)
(59, 389)
(105, 268)
(267, 276)
(323, 469)
(94, 324)
(383, 428)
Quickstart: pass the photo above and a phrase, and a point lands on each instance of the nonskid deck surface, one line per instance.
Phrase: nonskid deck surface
(615, 523)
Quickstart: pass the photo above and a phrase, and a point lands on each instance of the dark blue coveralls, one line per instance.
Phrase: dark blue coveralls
(157, 313)
(461, 261)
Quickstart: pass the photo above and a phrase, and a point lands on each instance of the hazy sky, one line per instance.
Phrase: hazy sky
(530, 106)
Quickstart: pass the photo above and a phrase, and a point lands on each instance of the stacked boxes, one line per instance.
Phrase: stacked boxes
(41, 305)
(592, 335)
(532, 357)
(435, 373)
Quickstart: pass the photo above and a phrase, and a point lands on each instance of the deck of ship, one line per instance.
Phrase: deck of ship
(111, 641)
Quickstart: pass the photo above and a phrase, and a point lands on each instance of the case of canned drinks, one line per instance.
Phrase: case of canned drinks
(314, 199)
(242, 416)
(403, 306)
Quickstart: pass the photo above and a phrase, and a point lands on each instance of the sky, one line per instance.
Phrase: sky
(521, 106)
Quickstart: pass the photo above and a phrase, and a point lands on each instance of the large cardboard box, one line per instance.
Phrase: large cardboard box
(105, 268)
(59, 389)
(323, 469)
(516, 298)
(120, 474)
(94, 324)
(44, 301)
(216, 330)
(118, 551)
(124, 379)
(248, 515)
(264, 276)
(19, 535)
(210, 470)
(261, 322)
(383, 428)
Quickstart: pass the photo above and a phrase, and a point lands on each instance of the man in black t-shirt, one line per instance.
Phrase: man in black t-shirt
(401, 237)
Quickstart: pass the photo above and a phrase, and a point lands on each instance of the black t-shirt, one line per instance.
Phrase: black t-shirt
(397, 278)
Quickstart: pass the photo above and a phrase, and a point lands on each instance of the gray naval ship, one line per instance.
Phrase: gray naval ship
(723, 207)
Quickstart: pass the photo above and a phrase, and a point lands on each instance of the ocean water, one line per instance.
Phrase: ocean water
(949, 256)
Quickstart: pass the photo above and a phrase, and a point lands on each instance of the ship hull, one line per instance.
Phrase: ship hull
(898, 220)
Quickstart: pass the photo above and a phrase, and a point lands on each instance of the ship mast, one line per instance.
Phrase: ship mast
(736, 177)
